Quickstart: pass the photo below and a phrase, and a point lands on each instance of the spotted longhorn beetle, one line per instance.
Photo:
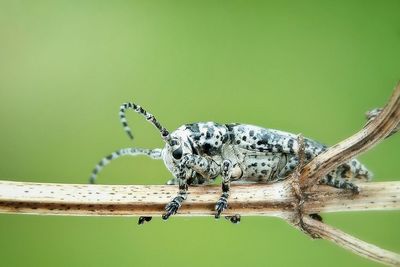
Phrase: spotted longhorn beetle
(199, 152)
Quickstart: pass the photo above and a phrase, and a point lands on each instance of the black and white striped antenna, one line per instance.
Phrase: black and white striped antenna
(152, 153)
(149, 117)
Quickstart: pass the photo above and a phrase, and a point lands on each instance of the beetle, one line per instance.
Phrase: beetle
(197, 153)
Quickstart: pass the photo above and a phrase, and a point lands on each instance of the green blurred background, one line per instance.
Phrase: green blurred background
(312, 67)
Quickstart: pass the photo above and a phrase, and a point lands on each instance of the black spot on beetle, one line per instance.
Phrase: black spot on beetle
(209, 149)
(238, 142)
(290, 145)
(244, 138)
(194, 127)
(210, 132)
(231, 136)
(279, 148)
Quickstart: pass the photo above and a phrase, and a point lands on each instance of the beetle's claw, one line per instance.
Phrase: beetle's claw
(143, 219)
(235, 219)
(221, 205)
(171, 208)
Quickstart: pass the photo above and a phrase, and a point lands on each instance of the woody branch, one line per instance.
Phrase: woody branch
(272, 200)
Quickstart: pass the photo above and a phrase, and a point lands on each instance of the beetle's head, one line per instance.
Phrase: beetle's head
(175, 150)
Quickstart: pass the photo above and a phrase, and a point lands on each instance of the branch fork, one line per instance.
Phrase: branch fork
(381, 124)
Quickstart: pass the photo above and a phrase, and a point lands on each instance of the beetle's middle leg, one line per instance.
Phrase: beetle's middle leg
(228, 171)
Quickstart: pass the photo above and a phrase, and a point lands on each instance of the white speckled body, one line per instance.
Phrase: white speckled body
(258, 154)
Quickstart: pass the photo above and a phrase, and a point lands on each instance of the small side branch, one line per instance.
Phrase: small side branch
(383, 125)
(353, 244)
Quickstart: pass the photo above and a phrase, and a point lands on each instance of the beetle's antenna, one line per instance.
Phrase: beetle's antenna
(152, 153)
(149, 117)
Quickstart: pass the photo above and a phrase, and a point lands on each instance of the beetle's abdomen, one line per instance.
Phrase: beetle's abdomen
(271, 155)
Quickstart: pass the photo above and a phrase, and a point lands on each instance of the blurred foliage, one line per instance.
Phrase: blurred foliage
(313, 67)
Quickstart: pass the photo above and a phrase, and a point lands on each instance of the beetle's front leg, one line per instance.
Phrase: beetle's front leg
(201, 165)
(182, 174)
(173, 206)
(189, 164)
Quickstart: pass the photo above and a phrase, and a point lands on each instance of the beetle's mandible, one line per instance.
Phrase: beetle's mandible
(197, 153)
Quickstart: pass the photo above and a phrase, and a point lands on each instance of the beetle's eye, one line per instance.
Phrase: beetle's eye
(177, 153)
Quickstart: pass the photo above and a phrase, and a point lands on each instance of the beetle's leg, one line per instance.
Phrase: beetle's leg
(235, 219)
(173, 206)
(339, 182)
(189, 166)
(196, 179)
(203, 166)
(316, 216)
(172, 181)
(144, 219)
(226, 173)
(181, 177)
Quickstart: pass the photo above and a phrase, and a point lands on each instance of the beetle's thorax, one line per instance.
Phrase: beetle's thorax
(206, 139)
